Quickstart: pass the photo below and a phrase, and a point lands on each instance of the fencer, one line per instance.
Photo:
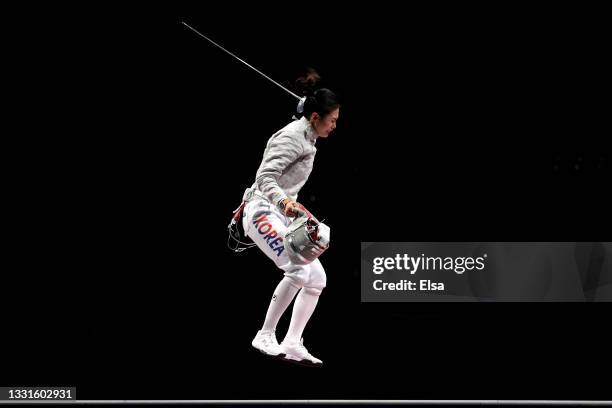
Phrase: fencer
(270, 205)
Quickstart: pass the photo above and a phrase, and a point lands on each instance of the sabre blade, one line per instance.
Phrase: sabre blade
(241, 60)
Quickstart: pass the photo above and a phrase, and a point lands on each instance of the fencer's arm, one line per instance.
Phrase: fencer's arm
(281, 152)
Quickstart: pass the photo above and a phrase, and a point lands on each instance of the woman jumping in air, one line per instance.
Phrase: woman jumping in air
(270, 205)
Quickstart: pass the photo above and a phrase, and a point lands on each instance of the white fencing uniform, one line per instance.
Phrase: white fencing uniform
(266, 226)
(287, 163)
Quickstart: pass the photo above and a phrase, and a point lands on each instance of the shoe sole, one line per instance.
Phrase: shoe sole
(303, 363)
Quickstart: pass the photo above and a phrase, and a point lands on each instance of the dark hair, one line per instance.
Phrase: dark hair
(307, 80)
(323, 101)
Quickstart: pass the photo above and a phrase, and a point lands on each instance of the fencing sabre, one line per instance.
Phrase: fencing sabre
(305, 253)
(244, 62)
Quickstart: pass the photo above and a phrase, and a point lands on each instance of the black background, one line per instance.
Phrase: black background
(137, 139)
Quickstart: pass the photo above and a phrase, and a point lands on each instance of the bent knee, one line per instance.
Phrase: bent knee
(298, 274)
(318, 278)
(312, 291)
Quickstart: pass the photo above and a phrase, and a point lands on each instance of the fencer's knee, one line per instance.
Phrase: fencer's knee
(298, 274)
(294, 281)
(311, 275)
(313, 291)
(318, 278)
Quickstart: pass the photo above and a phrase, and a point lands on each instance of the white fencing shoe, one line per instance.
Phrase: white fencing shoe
(297, 353)
(265, 341)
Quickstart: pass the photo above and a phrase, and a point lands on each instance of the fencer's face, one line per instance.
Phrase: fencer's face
(324, 125)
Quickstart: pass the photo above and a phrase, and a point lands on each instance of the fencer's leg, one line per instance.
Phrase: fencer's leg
(283, 295)
(265, 339)
(303, 308)
(305, 304)
(292, 348)
(265, 225)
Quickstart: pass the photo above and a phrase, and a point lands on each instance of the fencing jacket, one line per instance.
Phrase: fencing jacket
(287, 162)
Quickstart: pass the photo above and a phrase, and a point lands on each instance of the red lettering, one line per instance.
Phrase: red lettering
(260, 219)
(271, 235)
(262, 226)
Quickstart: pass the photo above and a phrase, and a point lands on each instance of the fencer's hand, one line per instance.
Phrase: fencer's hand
(294, 209)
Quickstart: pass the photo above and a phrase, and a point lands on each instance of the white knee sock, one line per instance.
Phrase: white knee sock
(305, 304)
(283, 295)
